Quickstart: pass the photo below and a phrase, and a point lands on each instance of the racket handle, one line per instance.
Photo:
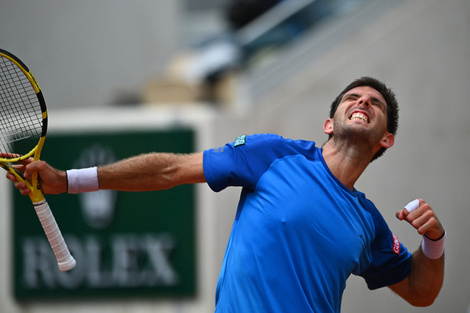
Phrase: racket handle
(64, 259)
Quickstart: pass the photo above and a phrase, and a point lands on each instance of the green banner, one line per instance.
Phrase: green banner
(126, 244)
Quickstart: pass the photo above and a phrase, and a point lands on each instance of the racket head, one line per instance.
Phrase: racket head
(23, 127)
(23, 111)
(23, 118)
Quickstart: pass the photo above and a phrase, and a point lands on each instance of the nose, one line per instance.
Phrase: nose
(364, 101)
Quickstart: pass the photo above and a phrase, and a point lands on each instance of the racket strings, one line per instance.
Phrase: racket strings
(21, 119)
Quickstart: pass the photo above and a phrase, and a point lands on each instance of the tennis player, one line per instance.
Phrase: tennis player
(301, 228)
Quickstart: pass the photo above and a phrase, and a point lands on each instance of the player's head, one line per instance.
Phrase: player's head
(387, 94)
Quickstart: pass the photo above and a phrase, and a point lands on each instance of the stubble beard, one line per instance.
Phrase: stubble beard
(356, 136)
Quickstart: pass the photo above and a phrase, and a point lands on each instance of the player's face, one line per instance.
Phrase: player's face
(361, 114)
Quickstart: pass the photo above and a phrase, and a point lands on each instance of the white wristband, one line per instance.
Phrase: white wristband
(82, 180)
(433, 249)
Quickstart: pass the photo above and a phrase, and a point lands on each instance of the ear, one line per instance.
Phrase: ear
(387, 140)
(328, 126)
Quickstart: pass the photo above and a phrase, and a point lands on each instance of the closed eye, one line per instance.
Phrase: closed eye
(351, 96)
(378, 103)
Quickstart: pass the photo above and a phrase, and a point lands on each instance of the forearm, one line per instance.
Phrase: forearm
(153, 171)
(423, 284)
(426, 278)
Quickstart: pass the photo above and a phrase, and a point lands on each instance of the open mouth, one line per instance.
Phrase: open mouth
(359, 116)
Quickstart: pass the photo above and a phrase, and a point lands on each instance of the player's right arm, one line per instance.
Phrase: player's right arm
(146, 172)
(52, 181)
(153, 171)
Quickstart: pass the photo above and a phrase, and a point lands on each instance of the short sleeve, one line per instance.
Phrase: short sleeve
(244, 161)
(391, 261)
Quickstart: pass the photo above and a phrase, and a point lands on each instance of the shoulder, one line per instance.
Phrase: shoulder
(275, 142)
(260, 148)
(243, 161)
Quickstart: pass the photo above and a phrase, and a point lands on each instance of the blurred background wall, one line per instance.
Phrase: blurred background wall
(142, 56)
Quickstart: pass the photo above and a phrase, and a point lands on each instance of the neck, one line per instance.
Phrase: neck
(346, 162)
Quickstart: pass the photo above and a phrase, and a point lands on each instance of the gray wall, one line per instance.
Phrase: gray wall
(87, 53)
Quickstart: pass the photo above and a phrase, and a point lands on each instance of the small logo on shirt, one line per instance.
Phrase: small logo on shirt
(396, 244)
(240, 141)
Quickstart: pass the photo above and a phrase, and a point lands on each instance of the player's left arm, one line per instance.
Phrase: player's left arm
(426, 277)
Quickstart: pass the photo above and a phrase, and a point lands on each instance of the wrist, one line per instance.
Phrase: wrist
(63, 182)
(82, 180)
(442, 236)
(433, 248)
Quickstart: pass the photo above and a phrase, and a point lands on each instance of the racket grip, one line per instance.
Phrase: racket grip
(65, 260)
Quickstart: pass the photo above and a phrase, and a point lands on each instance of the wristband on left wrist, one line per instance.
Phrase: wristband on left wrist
(433, 249)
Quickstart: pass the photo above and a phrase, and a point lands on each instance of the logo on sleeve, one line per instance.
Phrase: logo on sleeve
(396, 244)
(240, 141)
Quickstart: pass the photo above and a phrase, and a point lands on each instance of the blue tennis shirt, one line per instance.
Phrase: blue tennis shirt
(298, 232)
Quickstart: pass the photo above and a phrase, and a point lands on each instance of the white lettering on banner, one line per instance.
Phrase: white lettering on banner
(133, 261)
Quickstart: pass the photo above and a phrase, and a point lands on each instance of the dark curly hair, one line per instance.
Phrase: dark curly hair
(389, 96)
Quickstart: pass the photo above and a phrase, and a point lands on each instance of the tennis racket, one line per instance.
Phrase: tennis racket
(23, 127)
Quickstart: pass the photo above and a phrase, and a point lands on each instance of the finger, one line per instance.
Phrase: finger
(429, 225)
(19, 169)
(23, 188)
(9, 155)
(413, 205)
(414, 209)
(11, 177)
(25, 191)
(423, 222)
(410, 207)
(400, 215)
(27, 161)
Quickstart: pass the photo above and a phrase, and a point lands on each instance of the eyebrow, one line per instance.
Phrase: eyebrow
(374, 99)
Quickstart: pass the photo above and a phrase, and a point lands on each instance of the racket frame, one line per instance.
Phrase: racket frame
(36, 194)
(65, 260)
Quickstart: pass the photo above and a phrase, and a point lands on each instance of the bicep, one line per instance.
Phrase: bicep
(189, 169)
(153, 171)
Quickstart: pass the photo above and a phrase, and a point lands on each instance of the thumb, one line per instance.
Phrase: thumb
(29, 169)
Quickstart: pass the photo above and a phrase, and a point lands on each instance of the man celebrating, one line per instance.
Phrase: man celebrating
(301, 227)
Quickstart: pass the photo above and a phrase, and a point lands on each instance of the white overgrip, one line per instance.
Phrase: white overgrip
(65, 260)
